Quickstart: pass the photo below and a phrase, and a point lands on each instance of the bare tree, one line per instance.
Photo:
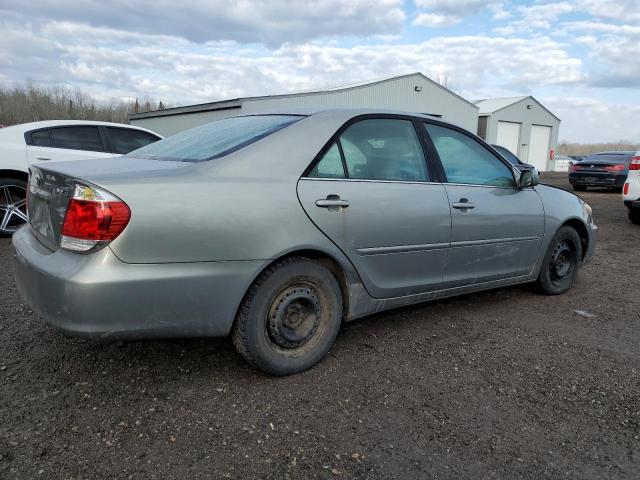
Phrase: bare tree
(32, 103)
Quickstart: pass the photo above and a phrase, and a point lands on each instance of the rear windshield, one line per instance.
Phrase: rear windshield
(622, 157)
(215, 139)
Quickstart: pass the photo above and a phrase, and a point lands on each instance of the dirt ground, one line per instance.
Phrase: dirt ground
(504, 384)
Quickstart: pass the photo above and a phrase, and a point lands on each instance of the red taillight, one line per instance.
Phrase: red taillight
(615, 168)
(635, 162)
(625, 189)
(94, 217)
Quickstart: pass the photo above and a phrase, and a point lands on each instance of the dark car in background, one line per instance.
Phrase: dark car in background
(510, 157)
(605, 169)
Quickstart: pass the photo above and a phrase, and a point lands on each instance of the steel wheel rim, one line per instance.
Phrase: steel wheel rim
(294, 317)
(562, 262)
(13, 207)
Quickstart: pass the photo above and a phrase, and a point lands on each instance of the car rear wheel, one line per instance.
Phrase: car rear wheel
(560, 265)
(634, 215)
(289, 318)
(579, 188)
(13, 205)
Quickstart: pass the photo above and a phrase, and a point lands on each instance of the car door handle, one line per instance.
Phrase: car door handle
(43, 158)
(332, 201)
(463, 204)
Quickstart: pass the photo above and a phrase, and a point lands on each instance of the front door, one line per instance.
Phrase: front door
(371, 194)
(497, 229)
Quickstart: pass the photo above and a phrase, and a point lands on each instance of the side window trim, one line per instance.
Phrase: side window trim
(441, 170)
(344, 161)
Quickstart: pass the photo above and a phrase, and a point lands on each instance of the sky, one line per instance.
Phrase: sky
(580, 58)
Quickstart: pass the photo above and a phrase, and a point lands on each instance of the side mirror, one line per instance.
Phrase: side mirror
(527, 176)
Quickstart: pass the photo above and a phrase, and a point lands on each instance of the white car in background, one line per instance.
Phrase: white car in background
(631, 189)
(55, 140)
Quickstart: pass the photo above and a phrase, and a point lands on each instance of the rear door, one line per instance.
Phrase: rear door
(74, 142)
(371, 192)
(497, 229)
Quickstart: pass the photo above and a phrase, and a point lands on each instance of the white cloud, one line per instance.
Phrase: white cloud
(445, 13)
(621, 10)
(536, 18)
(614, 51)
(436, 20)
(591, 120)
(272, 22)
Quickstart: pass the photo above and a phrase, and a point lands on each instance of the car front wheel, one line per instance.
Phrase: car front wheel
(560, 265)
(13, 205)
(289, 318)
(634, 215)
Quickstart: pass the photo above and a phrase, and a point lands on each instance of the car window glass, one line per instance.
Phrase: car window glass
(41, 138)
(215, 139)
(466, 161)
(77, 138)
(383, 149)
(330, 166)
(124, 140)
(510, 157)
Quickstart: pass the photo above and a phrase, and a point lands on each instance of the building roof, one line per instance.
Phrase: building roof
(488, 106)
(237, 102)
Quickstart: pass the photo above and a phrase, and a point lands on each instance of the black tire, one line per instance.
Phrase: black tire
(579, 188)
(561, 262)
(13, 211)
(289, 318)
(634, 215)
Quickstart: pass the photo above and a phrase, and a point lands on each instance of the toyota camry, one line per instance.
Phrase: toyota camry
(277, 228)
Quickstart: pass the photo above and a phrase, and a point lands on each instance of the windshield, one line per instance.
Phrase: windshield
(214, 139)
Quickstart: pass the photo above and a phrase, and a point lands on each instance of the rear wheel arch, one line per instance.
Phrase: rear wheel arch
(14, 175)
(329, 261)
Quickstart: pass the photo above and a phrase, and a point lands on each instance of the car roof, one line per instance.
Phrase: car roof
(348, 112)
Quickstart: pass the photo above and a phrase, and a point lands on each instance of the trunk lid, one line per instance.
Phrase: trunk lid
(51, 188)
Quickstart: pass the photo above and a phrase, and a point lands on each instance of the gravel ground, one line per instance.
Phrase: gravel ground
(504, 384)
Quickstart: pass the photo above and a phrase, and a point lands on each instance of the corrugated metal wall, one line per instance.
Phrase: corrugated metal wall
(395, 94)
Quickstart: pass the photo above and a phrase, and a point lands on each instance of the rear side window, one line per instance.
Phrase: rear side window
(215, 139)
(77, 138)
(41, 138)
(466, 161)
(125, 140)
(375, 149)
(329, 166)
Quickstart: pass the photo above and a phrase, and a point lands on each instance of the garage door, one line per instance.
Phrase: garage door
(539, 146)
(509, 136)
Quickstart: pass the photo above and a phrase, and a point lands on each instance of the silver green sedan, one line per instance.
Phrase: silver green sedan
(277, 228)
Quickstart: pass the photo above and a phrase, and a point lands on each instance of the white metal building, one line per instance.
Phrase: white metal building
(521, 124)
(412, 92)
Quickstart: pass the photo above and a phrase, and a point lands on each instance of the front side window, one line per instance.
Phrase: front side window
(384, 149)
(125, 140)
(215, 139)
(77, 138)
(466, 161)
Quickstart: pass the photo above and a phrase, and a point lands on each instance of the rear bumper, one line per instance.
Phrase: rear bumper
(597, 179)
(99, 296)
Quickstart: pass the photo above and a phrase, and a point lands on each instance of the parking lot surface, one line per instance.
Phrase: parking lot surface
(502, 384)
